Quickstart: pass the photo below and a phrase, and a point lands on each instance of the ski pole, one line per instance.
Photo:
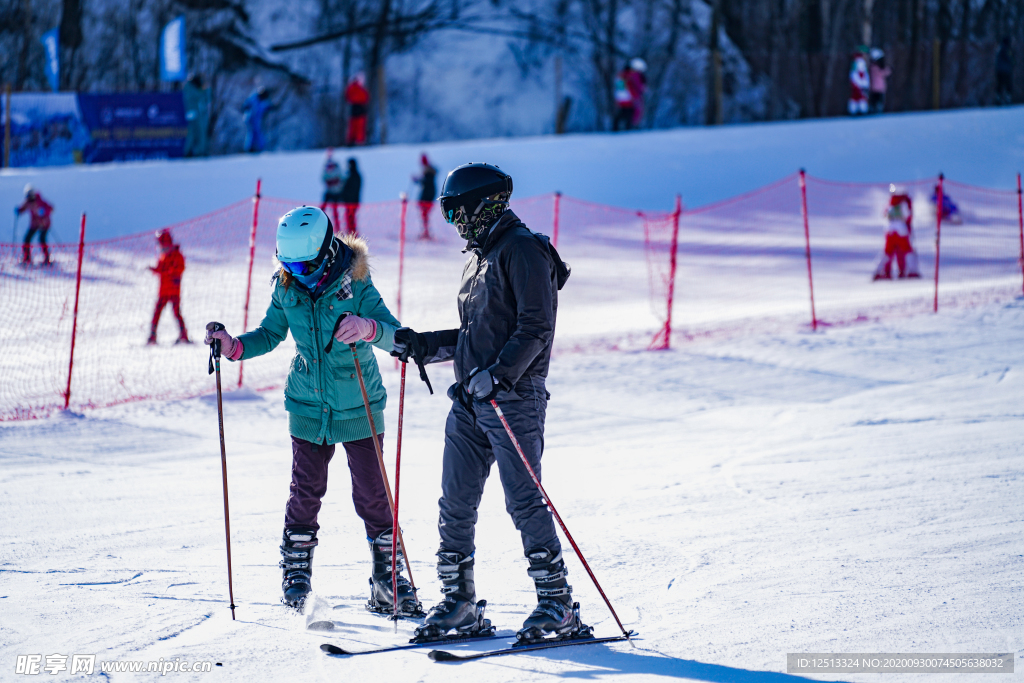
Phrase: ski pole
(380, 455)
(14, 230)
(547, 501)
(215, 367)
(398, 484)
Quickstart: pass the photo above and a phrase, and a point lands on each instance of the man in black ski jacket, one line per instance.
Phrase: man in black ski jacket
(501, 351)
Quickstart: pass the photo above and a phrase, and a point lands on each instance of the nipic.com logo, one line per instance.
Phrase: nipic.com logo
(34, 665)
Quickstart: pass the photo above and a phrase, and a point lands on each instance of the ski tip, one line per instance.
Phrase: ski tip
(332, 649)
(442, 656)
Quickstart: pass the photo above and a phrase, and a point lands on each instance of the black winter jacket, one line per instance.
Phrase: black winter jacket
(507, 306)
(350, 191)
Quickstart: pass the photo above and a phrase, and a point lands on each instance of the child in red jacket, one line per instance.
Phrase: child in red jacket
(170, 268)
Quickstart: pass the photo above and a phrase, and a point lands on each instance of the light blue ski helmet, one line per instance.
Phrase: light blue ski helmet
(301, 234)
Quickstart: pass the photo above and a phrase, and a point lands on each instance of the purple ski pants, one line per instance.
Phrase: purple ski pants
(309, 484)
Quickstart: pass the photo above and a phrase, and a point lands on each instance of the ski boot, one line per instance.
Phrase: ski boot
(460, 611)
(297, 551)
(381, 595)
(556, 614)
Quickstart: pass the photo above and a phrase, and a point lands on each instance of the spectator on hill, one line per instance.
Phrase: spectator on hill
(630, 86)
(333, 179)
(1004, 72)
(427, 180)
(350, 193)
(358, 98)
(859, 82)
(197, 114)
(39, 211)
(170, 267)
(253, 110)
(879, 81)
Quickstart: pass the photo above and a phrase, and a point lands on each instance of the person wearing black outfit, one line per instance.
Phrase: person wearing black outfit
(1004, 72)
(350, 192)
(501, 351)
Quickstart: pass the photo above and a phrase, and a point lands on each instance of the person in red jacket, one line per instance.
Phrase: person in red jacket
(39, 210)
(358, 98)
(169, 267)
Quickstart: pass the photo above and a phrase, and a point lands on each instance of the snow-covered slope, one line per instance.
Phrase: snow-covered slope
(642, 170)
(856, 490)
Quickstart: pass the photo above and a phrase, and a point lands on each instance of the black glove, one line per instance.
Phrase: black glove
(482, 386)
(409, 344)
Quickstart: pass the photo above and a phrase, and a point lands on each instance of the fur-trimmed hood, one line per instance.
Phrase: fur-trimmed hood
(360, 265)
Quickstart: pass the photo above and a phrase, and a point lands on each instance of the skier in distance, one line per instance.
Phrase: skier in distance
(507, 305)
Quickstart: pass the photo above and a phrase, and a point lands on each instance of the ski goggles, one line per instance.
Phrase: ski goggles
(302, 267)
(455, 215)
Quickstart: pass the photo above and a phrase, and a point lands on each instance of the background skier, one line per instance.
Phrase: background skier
(950, 210)
(358, 99)
(350, 194)
(507, 306)
(332, 178)
(170, 267)
(321, 277)
(859, 82)
(899, 214)
(39, 211)
(879, 76)
(427, 180)
(255, 107)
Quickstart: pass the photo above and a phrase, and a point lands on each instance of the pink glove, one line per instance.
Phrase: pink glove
(230, 347)
(353, 328)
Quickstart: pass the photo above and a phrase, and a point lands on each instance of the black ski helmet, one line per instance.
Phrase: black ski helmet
(469, 187)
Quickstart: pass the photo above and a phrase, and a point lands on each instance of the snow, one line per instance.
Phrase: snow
(854, 489)
(643, 170)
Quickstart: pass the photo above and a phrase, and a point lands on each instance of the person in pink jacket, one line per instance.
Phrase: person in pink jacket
(39, 211)
(879, 76)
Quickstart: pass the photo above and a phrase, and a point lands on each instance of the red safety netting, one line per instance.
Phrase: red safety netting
(979, 248)
(734, 266)
(742, 264)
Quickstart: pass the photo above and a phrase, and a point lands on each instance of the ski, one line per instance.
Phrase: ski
(443, 656)
(333, 649)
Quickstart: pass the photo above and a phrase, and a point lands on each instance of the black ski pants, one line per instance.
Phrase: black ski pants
(474, 439)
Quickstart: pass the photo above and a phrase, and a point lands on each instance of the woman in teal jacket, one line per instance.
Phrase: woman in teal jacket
(322, 277)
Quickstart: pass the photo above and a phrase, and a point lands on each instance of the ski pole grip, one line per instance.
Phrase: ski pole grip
(337, 323)
(214, 345)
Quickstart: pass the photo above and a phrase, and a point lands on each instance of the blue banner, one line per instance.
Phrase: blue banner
(133, 126)
(172, 50)
(51, 48)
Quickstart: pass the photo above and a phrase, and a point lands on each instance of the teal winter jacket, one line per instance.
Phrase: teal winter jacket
(321, 394)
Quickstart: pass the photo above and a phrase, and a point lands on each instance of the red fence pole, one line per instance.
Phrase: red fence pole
(938, 235)
(401, 263)
(807, 242)
(401, 254)
(252, 258)
(672, 270)
(554, 232)
(74, 324)
(1020, 218)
